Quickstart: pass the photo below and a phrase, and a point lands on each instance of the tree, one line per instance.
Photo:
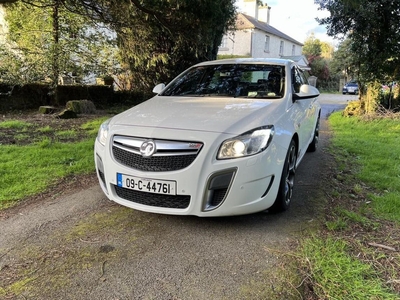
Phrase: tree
(160, 39)
(312, 46)
(373, 28)
(327, 50)
(312, 49)
(46, 40)
(344, 62)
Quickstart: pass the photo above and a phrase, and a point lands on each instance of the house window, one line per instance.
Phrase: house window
(293, 49)
(266, 46)
(223, 42)
(281, 48)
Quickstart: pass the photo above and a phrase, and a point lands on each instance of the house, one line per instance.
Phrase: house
(255, 37)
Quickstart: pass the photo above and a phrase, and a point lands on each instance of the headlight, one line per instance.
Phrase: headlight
(103, 132)
(249, 143)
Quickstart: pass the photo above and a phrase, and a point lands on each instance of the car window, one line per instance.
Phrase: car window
(236, 80)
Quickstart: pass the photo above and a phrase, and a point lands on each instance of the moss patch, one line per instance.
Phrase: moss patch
(281, 282)
(66, 258)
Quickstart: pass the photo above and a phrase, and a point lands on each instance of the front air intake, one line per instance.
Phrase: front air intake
(218, 186)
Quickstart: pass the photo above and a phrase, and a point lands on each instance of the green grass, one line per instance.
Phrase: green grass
(27, 170)
(31, 169)
(66, 134)
(343, 218)
(339, 263)
(21, 136)
(338, 274)
(46, 129)
(375, 144)
(14, 124)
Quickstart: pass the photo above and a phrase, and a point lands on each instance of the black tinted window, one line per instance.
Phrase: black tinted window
(252, 81)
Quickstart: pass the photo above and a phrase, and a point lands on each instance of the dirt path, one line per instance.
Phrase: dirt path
(78, 245)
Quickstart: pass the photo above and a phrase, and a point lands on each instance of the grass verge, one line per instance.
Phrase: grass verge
(375, 146)
(356, 254)
(31, 169)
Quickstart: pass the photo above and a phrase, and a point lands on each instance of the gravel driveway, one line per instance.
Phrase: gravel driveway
(78, 245)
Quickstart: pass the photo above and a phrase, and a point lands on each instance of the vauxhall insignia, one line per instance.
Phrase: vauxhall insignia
(148, 148)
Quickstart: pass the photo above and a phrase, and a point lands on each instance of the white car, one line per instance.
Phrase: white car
(223, 138)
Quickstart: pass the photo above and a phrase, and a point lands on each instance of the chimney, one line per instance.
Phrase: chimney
(250, 8)
(264, 13)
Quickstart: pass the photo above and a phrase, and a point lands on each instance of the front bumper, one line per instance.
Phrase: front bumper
(207, 187)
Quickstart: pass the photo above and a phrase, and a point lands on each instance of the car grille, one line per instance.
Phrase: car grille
(153, 164)
(150, 199)
(168, 156)
(217, 197)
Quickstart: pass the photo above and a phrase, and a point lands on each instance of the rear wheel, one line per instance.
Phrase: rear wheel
(286, 185)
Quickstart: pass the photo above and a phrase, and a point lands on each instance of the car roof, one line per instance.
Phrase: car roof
(269, 61)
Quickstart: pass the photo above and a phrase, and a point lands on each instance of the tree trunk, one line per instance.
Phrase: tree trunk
(56, 37)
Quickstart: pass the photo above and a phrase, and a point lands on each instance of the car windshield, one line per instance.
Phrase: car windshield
(230, 80)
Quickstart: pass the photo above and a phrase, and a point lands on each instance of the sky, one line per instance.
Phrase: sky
(296, 18)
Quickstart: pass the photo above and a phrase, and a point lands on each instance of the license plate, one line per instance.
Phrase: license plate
(146, 184)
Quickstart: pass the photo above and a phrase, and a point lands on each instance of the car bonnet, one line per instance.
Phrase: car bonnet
(227, 115)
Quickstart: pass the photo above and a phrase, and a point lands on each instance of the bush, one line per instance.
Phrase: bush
(32, 96)
(354, 108)
(373, 97)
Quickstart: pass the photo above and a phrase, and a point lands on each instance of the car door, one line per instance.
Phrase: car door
(305, 111)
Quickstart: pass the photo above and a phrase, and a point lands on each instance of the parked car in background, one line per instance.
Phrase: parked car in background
(350, 88)
(223, 138)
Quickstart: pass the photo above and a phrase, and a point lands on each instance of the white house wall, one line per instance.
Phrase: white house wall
(251, 42)
(237, 44)
(274, 46)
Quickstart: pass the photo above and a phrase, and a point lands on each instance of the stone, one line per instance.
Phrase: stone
(46, 110)
(81, 106)
(67, 114)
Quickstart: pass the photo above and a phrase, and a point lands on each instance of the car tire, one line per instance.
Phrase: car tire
(286, 184)
(312, 147)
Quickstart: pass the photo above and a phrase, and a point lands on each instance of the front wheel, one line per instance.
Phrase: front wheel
(314, 143)
(286, 185)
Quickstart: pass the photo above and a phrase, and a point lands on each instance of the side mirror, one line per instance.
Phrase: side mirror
(306, 92)
(158, 88)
